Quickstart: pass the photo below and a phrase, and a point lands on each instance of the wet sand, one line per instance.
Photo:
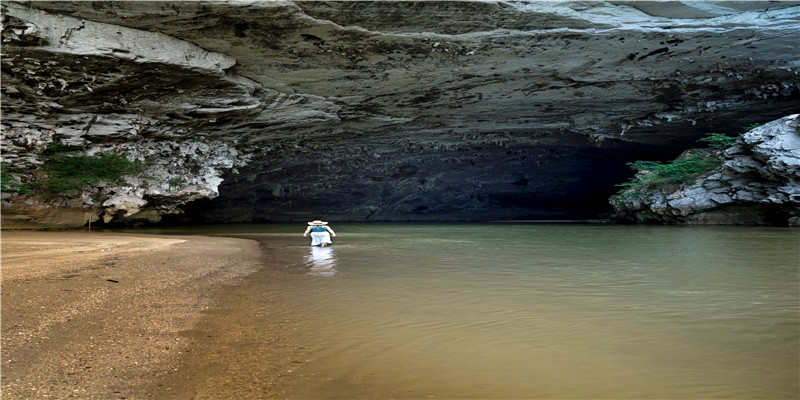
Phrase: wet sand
(99, 315)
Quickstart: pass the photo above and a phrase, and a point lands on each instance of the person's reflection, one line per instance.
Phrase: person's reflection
(321, 261)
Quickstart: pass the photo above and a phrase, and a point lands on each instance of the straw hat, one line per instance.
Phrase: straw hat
(317, 222)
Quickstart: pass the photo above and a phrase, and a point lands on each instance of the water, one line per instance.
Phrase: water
(526, 311)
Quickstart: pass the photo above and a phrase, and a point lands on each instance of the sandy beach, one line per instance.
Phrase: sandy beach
(99, 315)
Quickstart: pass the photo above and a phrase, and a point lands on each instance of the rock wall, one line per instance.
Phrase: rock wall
(383, 110)
(757, 184)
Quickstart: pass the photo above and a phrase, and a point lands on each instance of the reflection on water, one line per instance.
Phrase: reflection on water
(533, 312)
(521, 311)
(321, 261)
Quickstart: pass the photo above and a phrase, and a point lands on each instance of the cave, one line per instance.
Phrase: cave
(385, 111)
(473, 183)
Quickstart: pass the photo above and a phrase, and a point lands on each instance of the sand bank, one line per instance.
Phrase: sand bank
(97, 315)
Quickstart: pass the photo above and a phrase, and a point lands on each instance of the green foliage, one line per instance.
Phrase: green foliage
(176, 182)
(8, 180)
(59, 150)
(751, 127)
(67, 173)
(652, 175)
(719, 141)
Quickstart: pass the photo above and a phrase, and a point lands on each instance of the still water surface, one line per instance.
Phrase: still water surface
(532, 311)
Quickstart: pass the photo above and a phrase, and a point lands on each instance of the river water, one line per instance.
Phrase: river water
(535, 311)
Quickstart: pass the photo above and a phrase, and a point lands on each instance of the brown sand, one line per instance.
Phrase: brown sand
(98, 315)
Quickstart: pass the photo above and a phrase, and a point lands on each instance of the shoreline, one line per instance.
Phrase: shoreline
(102, 314)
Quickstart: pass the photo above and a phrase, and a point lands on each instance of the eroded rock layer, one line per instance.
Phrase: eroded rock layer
(256, 111)
(757, 184)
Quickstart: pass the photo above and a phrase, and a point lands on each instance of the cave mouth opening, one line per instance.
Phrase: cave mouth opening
(556, 182)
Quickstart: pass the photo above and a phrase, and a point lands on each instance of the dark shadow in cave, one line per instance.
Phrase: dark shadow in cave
(570, 180)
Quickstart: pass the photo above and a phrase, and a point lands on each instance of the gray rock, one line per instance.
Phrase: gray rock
(385, 110)
(758, 183)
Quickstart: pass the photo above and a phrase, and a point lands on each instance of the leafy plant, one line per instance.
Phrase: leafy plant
(70, 172)
(176, 182)
(8, 180)
(56, 149)
(719, 141)
(652, 175)
(751, 127)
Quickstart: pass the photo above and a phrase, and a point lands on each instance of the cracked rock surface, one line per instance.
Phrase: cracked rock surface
(757, 184)
(274, 111)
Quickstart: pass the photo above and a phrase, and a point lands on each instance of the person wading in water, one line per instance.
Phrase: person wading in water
(320, 233)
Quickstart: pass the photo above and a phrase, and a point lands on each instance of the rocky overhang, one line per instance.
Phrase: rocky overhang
(279, 111)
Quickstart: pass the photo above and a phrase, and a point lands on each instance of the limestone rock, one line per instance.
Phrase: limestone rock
(384, 110)
(758, 183)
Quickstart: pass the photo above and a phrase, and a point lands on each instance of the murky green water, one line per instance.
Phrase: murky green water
(525, 311)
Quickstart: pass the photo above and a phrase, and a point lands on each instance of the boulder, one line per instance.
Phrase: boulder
(758, 183)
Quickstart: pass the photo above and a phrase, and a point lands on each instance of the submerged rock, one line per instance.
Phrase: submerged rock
(379, 110)
(757, 184)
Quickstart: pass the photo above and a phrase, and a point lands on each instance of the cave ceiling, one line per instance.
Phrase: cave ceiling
(393, 110)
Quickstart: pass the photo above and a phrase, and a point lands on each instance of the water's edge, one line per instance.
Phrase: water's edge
(363, 318)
